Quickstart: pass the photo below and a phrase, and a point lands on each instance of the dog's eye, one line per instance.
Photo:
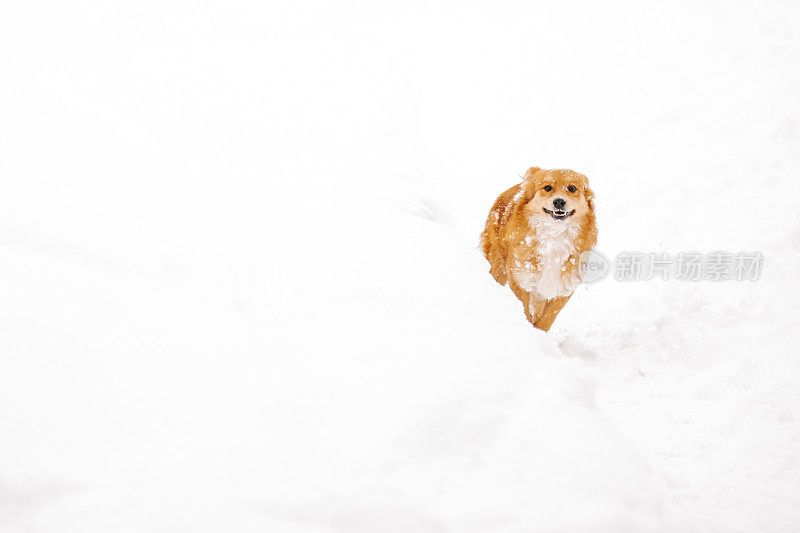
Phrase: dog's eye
(548, 188)
(571, 188)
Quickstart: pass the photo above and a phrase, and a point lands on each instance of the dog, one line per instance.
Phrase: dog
(534, 236)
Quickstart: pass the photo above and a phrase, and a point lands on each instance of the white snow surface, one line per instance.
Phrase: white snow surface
(241, 288)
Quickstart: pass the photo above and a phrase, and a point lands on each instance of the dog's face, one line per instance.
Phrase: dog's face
(560, 195)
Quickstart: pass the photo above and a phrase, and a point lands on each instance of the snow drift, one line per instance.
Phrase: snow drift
(242, 292)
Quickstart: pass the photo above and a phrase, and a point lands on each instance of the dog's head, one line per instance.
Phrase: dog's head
(560, 195)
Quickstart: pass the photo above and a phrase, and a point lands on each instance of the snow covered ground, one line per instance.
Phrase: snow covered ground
(241, 288)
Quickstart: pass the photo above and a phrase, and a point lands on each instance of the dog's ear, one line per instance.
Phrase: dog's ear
(529, 180)
(529, 185)
(589, 194)
(529, 173)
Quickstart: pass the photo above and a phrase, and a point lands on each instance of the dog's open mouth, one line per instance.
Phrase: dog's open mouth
(559, 215)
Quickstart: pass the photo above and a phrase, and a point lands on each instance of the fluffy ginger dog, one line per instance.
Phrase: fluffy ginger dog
(534, 236)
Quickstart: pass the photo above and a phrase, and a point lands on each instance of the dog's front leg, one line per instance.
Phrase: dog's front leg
(550, 312)
(535, 308)
(524, 297)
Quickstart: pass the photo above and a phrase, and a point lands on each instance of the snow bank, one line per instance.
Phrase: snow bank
(406, 392)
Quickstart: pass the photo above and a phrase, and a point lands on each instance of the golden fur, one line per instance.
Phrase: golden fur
(530, 247)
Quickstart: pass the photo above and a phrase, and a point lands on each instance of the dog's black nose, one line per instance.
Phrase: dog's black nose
(559, 203)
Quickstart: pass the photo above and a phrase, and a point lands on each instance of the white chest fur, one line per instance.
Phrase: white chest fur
(552, 274)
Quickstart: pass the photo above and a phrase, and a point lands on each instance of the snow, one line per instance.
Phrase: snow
(241, 290)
